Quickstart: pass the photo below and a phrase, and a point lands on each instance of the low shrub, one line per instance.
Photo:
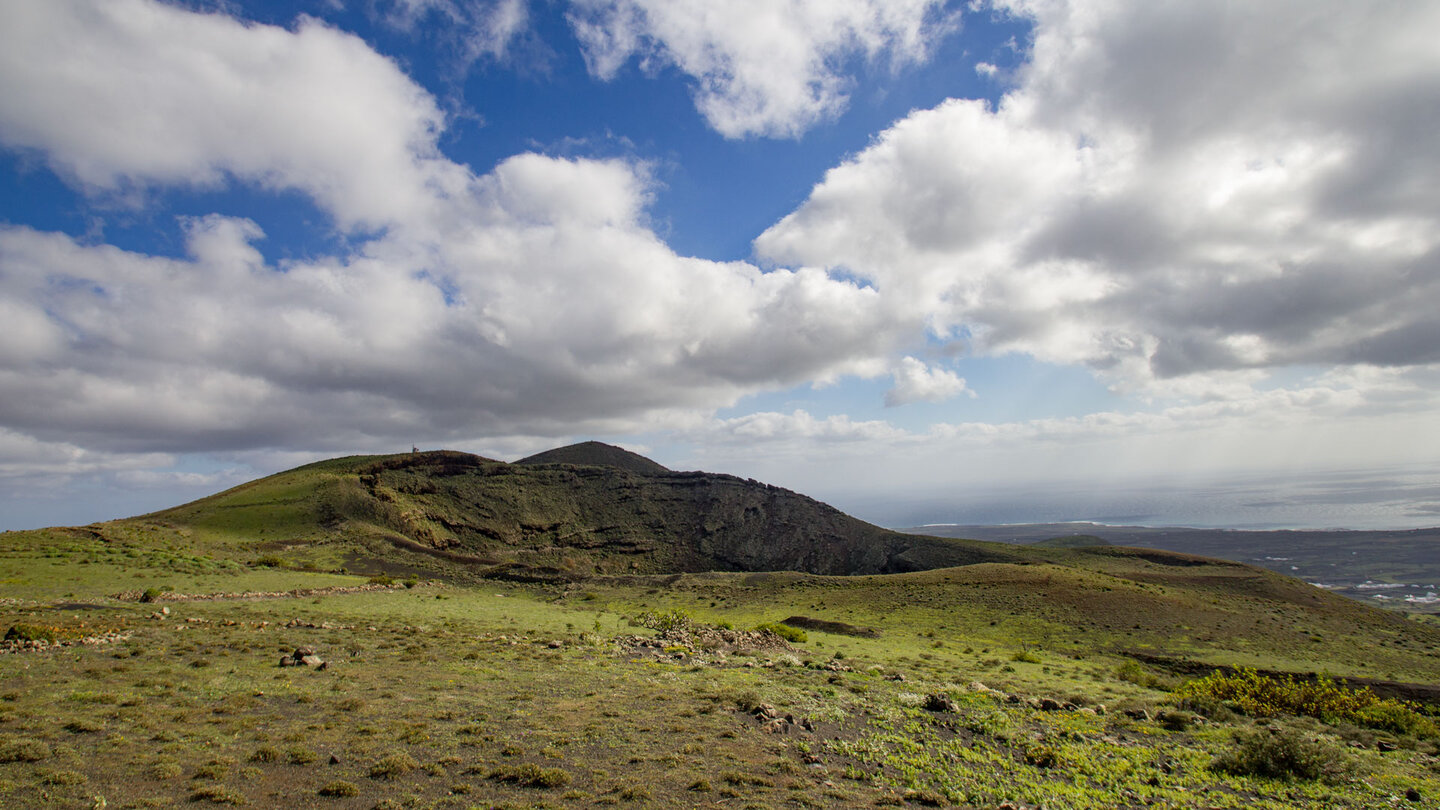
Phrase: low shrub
(665, 621)
(62, 777)
(153, 594)
(1133, 672)
(785, 631)
(23, 750)
(1256, 695)
(340, 789)
(1283, 754)
(529, 774)
(1175, 720)
(393, 766)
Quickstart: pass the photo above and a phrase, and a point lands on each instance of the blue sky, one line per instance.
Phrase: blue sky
(928, 261)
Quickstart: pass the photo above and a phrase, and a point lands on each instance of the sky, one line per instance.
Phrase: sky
(929, 261)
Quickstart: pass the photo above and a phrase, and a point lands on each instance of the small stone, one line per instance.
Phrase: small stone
(940, 703)
(556, 644)
(1412, 795)
(301, 652)
(334, 759)
(1050, 705)
(1386, 745)
(287, 661)
(310, 660)
(165, 611)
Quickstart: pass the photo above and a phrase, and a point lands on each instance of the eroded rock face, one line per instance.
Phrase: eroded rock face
(543, 516)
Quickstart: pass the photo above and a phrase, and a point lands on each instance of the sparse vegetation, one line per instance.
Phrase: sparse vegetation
(558, 692)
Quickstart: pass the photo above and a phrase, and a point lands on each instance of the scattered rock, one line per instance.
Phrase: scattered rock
(1386, 745)
(939, 703)
(1049, 705)
(303, 657)
(1412, 795)
(334, 759)
(1137, 714)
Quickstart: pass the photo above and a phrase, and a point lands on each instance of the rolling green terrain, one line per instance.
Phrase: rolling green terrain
(580, 629)
(1397, 569)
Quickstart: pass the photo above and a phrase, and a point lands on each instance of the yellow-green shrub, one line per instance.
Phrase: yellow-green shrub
(1257, 695)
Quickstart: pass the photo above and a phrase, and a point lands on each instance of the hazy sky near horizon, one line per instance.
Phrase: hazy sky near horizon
(876, 251)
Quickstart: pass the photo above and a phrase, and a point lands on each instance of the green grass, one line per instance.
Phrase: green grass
(465, 691)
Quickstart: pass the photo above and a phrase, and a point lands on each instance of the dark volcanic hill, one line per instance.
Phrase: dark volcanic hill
(597, 454)
(579, 510)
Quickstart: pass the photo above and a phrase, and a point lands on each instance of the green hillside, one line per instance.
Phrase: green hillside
(589, 630)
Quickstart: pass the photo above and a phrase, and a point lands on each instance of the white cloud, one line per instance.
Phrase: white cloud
(1182, 196)
(917, 382)
(767, 427)
(485, 28)
(531, 300)
(132, 93)
(760, 67)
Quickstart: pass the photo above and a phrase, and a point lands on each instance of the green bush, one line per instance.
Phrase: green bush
(1133, 672)
(152, 594)
(785, 631)
(340, 789)
(23, 750)
(393, 766)
(665, 621)
(531, 775)
(1251, 693)
(1283, 754)
(382, 579)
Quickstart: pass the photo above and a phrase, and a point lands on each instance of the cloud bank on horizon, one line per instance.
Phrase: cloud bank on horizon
(1224, 214)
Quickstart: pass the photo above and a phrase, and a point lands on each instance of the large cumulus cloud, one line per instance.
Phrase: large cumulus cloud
(530, 299)
(1184, 196)
(760, 67)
